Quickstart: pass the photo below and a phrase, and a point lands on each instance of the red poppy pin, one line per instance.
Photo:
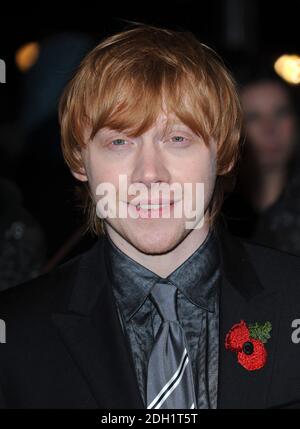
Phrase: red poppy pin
(248, 341)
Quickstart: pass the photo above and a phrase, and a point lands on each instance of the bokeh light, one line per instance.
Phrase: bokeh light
(288, 68)
(27, 55)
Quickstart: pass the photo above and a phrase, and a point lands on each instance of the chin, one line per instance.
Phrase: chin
(156, 243)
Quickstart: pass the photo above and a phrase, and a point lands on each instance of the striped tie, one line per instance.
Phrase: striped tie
(170, 380)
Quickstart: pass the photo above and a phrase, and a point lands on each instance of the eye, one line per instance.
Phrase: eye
(179, 140)
(118, 142)
(252, 117)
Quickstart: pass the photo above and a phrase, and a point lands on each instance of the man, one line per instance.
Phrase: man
(167, 310)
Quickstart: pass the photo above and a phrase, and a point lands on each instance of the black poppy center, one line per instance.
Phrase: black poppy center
(248, 348)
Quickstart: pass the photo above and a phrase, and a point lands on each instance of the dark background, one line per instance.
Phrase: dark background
(237, 29)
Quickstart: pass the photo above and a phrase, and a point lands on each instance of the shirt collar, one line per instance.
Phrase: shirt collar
(196, 277)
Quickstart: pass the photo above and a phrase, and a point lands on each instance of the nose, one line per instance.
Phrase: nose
(150, 165)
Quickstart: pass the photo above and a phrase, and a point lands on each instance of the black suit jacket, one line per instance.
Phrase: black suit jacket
(65, 346)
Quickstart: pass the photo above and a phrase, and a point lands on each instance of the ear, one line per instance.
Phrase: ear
(80, 175)
(228, 168)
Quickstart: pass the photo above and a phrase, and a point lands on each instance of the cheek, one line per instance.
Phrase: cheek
(201, 168)
(100, 171)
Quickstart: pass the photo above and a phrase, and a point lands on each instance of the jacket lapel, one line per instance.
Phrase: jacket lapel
(94, 338)
(242, 297)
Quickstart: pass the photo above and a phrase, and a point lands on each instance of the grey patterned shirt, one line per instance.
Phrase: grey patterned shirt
(197, 281)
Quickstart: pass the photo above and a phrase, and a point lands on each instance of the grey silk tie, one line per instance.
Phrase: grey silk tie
(170, 382)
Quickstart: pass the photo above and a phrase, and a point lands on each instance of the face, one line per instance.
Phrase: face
(159, 156)
(270, 124)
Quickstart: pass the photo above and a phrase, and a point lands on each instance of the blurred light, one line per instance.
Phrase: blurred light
(27, 55)
(288, 68)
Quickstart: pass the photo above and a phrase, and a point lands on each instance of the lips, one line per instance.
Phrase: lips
(146, 210)
(154, 204)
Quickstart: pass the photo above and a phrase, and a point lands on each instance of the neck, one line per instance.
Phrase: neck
(163, 264)
(270, 184)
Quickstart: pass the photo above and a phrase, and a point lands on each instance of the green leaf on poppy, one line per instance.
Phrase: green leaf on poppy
(260, 331)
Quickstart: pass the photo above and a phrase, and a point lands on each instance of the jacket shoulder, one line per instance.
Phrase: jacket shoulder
(48, 292)
(276, 268)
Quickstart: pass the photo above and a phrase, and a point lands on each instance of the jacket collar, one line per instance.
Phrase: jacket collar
(236, 266)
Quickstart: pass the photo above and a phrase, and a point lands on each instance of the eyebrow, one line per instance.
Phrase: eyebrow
(107, 132)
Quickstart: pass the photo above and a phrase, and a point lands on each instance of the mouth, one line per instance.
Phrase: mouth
(145, 209)
(153, 206)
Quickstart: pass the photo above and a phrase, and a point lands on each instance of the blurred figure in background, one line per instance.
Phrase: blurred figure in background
(22, 241)
(265, 206)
